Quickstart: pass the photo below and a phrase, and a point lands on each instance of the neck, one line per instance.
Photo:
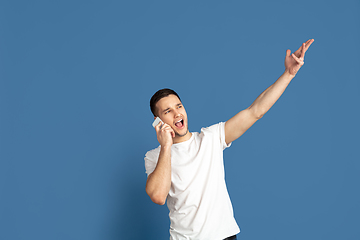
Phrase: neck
(183, 138)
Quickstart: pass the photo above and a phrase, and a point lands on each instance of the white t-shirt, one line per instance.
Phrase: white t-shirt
(198, 200)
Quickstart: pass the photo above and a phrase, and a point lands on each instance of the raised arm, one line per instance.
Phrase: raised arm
(241, 122)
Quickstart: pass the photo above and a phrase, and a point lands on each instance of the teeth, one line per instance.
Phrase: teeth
(179, 121)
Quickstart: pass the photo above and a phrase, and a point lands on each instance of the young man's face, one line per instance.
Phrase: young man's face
(171, 111)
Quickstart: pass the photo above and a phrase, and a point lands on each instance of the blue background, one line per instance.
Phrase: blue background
(75, 82)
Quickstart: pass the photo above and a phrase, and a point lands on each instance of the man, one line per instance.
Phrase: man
(187, 168)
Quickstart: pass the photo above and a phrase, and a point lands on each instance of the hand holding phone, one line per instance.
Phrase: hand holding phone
(156, 122)
(164, 137)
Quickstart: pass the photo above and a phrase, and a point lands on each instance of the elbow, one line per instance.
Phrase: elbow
(258, 116)
(158, 200)
(256, 113)
(156, 197)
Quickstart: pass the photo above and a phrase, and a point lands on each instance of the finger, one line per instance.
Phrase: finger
(308, 43)
(166, 128)
(288, 52)
(169, 130)
(299, 51)
(306, 46)
(298, 60)
(295, 57)
(158, 127)
(303, 51)
(172, 133)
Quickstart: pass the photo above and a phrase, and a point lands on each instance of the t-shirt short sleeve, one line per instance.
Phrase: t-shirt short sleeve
(222, 135)
(151, 158)
(218, 131)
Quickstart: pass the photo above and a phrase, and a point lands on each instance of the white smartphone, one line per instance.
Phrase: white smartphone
(156, 122)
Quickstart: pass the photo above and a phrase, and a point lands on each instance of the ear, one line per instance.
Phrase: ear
(155, 118)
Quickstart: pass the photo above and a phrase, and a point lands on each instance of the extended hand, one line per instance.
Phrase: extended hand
(293, 62)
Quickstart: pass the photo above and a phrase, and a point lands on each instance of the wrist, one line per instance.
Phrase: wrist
(288, 75)
(166, 146)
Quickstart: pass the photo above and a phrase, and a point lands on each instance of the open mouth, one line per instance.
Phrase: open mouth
(179, 123)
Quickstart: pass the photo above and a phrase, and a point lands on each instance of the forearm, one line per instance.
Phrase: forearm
(267, 99)
(159, 181)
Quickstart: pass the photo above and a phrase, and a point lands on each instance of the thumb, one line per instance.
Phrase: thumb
(288, 52)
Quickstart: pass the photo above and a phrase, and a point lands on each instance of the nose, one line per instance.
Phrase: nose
(176, 113)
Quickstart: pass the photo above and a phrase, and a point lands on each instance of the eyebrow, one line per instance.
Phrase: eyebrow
(166, 109)
(169, 108)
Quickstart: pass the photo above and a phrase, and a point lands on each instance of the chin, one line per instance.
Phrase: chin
(182, 135)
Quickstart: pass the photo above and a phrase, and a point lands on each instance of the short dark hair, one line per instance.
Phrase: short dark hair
(159, 95)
